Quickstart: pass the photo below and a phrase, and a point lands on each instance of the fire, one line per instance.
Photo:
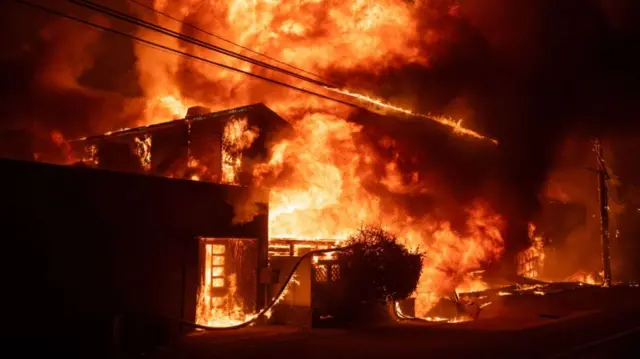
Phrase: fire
(219, 310)
(590, 278)
(143, 150)
(237, 137)
(317, 36)
(531, 260)
(455, 125)
(472, 284)
(321, 179)
(318, 182)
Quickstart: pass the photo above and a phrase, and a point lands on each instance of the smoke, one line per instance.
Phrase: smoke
(525, 72)
(61, 75)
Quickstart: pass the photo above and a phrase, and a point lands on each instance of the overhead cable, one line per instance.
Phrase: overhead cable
(182, 53)
(169, 16)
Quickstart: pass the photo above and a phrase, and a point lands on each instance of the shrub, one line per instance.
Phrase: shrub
(377, 268)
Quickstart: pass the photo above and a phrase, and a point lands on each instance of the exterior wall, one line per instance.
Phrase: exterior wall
(82, 247)
(174, 144)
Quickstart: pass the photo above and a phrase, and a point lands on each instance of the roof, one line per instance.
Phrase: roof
(186, 120)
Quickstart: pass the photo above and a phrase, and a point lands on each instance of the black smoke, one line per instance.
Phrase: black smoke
(62, 75)
(527, 73)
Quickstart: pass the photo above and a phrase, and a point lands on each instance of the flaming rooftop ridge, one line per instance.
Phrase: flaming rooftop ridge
(222, 113)
(403, 115)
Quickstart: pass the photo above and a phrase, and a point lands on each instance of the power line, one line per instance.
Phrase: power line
(223, 39)
(189, 39)
(136, 21)
(178, 52)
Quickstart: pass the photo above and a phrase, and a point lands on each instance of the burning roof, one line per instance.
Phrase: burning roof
(203, 146)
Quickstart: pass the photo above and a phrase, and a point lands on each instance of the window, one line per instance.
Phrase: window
(215, 258)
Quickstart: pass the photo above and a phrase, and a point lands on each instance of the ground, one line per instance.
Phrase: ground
(584, 323)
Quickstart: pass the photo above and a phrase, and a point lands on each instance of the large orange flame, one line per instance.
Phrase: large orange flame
(318, 176)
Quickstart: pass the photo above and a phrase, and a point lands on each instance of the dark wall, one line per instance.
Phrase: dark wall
(82, 245)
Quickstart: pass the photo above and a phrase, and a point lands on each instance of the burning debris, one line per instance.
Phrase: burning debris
(531, 261)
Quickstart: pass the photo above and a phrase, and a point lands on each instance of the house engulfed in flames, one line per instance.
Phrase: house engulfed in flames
(224, 147)
(213, 147)
(220, 147)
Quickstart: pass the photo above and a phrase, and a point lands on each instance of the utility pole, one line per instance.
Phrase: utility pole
(603, 176)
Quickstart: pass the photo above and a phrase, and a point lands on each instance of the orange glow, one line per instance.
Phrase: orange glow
(218, 248)
(143, 151)
(470, 285)
(217, 272)
(531, 260)
(213, 309)
(317, 178)
(237, 136)
(381, 105)
(323, 197)
(586, 278)
(316, 35)
(217, 260)
(217, 282)
(401, 315)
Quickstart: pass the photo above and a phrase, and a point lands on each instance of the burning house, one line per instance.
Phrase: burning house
(213, 147)
(219, 147)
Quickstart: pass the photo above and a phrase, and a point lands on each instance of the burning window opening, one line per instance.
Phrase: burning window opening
(90, 155)
(228, 282)
(237, 137)
(143, 151)
(215, 255)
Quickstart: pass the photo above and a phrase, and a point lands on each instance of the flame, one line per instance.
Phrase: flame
(318, 182)
(219, 310)
(237, 136)
(455, 125)
(143, 150)
(531, 260)
(471, 285)
(320, 179)
(401, 315)
(583, 277)
(90, 156)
